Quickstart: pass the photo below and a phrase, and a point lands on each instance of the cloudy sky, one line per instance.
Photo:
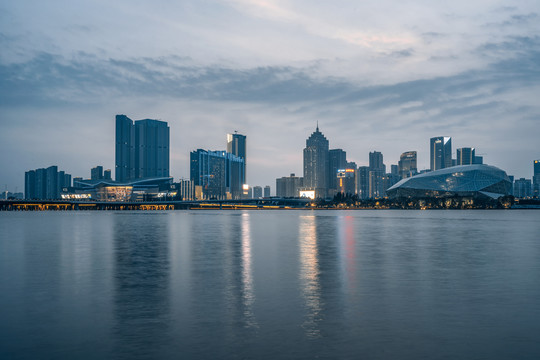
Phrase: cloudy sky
(377, 75)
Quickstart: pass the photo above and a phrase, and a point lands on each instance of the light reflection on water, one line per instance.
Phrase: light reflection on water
(309, 275)
(248, 294)
(270, 284)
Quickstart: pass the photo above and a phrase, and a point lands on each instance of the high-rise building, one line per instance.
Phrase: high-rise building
(107, 174)
(536, 178)
(377, 171)
(289, 186)
(236, 145)
(346, 181)
(45, 184)
(218, 172)
(267, 191)
(440, 152)
(407, 164)
(522, 188)
(151, 149)
(465, 156)
(142, 149)
(257, 192)
(316, 163)
(125, 149)
(96, 173)
(376, 161)
(30, 184)
(337, 159)
(362, 182)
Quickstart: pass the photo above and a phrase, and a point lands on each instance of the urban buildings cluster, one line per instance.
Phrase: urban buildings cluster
(327, 172)
(142, 157)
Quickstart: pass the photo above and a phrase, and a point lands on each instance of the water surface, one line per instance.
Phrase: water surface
(369, 284)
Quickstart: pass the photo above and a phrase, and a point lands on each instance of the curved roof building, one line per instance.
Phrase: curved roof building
(465, 180)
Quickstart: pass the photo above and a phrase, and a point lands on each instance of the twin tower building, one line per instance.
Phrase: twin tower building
(143, 152)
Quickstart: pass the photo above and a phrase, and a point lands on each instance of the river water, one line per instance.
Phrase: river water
(299, 284)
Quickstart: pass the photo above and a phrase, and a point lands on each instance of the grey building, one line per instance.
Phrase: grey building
(536, 178)
(142, 149)
(96, 173)
(465, 156)
(407, 165)
(337, 159)
(377, 172)
(362, 182)
(440, 152)
(522, 188)
(236, 145)
(124, 149)
(288, 186)
(267, 191)
(257, 192)
(45, 184)
(316, 163)
(218, 172)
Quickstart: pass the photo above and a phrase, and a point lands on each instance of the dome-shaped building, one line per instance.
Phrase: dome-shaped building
(464, 180)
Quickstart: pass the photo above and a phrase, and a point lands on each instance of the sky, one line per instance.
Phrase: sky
(376, 75)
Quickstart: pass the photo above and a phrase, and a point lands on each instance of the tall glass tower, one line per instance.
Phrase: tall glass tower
(440, 152)
(236, 145)
(316, 163)
(142, 149)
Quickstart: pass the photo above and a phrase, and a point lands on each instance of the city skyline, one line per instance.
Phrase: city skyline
(384, 77)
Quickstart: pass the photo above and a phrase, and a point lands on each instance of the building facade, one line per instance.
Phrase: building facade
(465, 156)
(337, 160)
(465, 180)
(219, 173)
(316, 163)
(377, 172)
(96, 173)
(257, 192)
(362, 182)
(45, 184)
(536, 178)
(523, 188)
(440, 152)
(289, 186)
(407, 165)
(236, 145)
(142, 149)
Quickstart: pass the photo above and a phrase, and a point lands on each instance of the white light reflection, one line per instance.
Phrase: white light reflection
(248, 296)
(309, 275)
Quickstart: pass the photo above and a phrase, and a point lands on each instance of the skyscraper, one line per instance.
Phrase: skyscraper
(377, 172)
(407, 164)
(465, 156)
(440, 152)
(218, 172)
(316, 163)
(125, 149)
(267, 191)
(96, 173)
(151, 149)
(337, 159)
(142, 149)
(362, 182)
(236, 145)
(45, 184)
(536, 178)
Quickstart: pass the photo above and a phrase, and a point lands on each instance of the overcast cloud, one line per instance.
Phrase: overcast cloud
(384, 76)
